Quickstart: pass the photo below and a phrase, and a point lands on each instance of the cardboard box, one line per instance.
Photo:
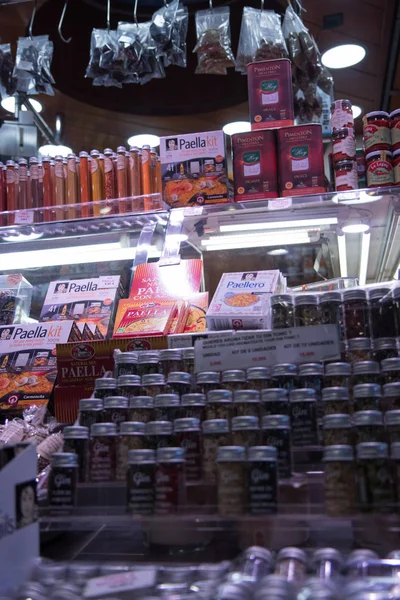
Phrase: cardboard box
(174, 281)
(136, 318)
(194, 168)
(66, 401)
(270, 94)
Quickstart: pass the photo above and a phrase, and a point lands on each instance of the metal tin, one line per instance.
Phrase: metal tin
(262, 453)
(153, 379)
(338, 368)
(179, 377)
(207, 377)
(311, 369)
(188, 424)
(148, 357)
(372, 450)
(194, 399)
(170, 355)
(105, 383)
(284, 369)
(158, 427)
(339, 452)
(302, 394)
(128, 380)
(130, 427)
(366, 366)
(231, 454)
(219, 396)
(126, 357)
(90, 404)
(141, 402)
(100, 429)
(233, 375)
(64, 459)
(116, 402)
(215, 426)
(76, 432)
(245, 423)
(170, 455)
(141, 456)
(258, 373)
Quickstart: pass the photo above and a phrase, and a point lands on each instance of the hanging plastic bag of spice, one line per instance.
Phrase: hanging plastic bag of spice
(32, 66)
(129, 56)
(152, 65)
(7, 83)
(102, 67)
(213, 47)
(168, 29)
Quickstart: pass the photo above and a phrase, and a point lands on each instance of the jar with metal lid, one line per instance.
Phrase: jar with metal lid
(303, 417)
(170, 360)
(337, 374)
(396, 166)
(239, 590)
(369, 426)
(395, 129)
(103, 452)
(366, 371)
(390, 370)
(245, 431)
(104, 387)
(246, 403)
(262, 480)
(292, 564)
(341, 114)
(76, 440)
(275, 587)
(344, 145)
(255, 563)
(327, 563)
(153, 384)
(359, 349)
(282, 312)
(193, 406)
(330, 310)
(179, 382)
(392, 426)
(233, 380)
(148, 363)
(306, 311)
(385, 348)
(381, 309)
(126, 363)
(187, 436)
(215, 434)
(311, 375)
(379, 169)
(159, 434)
(170, 489)
(367, 396)
(335, 400)
(357, 568)
(116, 409)
(355, 312)
(62, 481)
(232, 493)
(276, 432)
(376, 131)
(90, 411)
(274, 401)
(207, 381)
(391, 396)
(337, 430)
(346, 176)
(131, 437)
(258, 378)
(361, 168)
(374, 478)
(395, 456)
(188, 360)
(219, 404)
(129, 385)
(166, 407)
(141, 408)
(141, 482)
(284, 375)
(340, 480)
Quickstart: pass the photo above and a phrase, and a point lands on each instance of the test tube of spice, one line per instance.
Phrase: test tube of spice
(59, 185)
(153, 169)
(109, 189)
(146, 176)
(34, 171)
(101, 167)
(72, 185)
(96, 181)
(134, 180)
(122, 179)
(127, 203)
(46, 187)
(23, 184)
(11, 189)
(85, 182)
(2, 189)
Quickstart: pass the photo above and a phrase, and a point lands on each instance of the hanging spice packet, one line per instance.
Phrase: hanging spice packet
(213, 47)
(168, 30)
(102, 67)
(7, 84)
(32, 66)
(130, 58)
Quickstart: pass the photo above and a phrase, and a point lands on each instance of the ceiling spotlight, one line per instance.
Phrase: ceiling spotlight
(53, 150)
(355, 228)
(9, 105)
(144, 139)
(278, 252)
(236, 127)
(345, 55)
(356, 110)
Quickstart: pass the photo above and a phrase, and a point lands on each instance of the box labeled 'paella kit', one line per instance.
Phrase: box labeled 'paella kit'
(194, 169)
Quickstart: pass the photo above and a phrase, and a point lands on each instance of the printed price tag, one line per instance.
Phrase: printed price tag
(120, 582)
(23, 217)
(193, 211)
(279, 203)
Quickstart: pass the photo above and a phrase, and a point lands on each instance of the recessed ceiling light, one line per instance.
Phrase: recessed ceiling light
(236, 127)
(53, 150)
(144, 139)
(345, 55)
(9, 105)
(278, 252)
(357, 110)
(355, 228)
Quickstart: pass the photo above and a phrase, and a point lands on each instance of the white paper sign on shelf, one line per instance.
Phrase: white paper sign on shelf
(262, 348)
(279, 203)
(24, 217)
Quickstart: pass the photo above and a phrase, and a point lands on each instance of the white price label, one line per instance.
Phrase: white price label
(120, 582)
(24, 217)
(279, 203)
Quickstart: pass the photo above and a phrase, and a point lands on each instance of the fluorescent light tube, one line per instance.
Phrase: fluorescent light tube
(342, 255)
(362, 275)
(280, 224)
(268, 239)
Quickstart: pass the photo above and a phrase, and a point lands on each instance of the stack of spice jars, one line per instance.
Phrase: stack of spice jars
(344, 146)
(381, 132)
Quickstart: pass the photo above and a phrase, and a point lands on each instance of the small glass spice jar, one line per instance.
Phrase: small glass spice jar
(76, 440)
(187, 436)
(179, 382)
(367, 396)
(126, 363)
(303, 417)
(291, 563)
(376, 131)
(219, 404)
(258, 378)
(207, 381)
(357, 567)
(395, 459)
(148, 363)
(331, 311)
(232, 493)
(284, 375)
(368, 426)
(346, 176)
(131, 437)
(215, 434)
(188, 360)
(90, 411)
(344, 144)
(103, 452)
(141, 408)
(153, 384)
(366, 371)
(306, 311)
(262, 480)
(170, 489)
(141, 482)
(340, 480)
(276, 432)
(341, 114)
(159, 434)
(255, 563)
(193, 406)
(390, 370)
(170, 360)
(274, 401)
(381, 312)
(245, 431)
(327, 563)
(104, 387)
(233, 380)
(282, 311)
(359, 349)
(385, 348)
(392, 426)
(129, 385)
(337, 429)
(116, 409)
(166, 407)
(337, 374)
(335, 400)
(395, 129)
(375, 484)
(391, 396)
(246, 403)
(355, 312)
(311, 375)
(379, 169)
(62, 480)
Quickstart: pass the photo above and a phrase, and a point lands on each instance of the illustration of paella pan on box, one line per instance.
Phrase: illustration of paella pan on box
(241, 300)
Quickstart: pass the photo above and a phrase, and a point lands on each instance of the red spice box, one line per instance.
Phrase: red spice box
(254, 165)
(270, 94)
(301, 160)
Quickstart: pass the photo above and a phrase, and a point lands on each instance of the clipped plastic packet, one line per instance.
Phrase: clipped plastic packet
(168, 30)
(103, 49)
(7, 84)
(213, 47)
(32, 66)
(154, 65)
(136, 57)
